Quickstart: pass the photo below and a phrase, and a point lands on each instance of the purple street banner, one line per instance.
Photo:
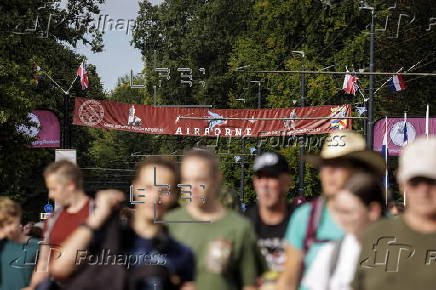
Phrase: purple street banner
(396, 132)
(46, 129)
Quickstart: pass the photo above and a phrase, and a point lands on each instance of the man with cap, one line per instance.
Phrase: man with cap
(312, 225)
(401, 253)
(271, 214)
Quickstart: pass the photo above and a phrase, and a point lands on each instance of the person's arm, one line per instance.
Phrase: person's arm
(40, 272)
(295, 234)
(290, 277)
(74, 250)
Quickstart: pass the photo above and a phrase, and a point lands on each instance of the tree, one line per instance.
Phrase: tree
(39, 33)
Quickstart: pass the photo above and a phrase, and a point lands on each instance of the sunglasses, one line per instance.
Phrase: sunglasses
(420, 180)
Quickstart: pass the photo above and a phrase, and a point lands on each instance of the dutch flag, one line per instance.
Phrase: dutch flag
(396, 83)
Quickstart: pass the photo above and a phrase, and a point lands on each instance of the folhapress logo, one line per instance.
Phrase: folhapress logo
(387, 253)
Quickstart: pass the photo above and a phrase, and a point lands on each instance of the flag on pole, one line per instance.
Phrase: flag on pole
(350, 85)
(385, 153)
(405, 135)
(83, 75)
(396, 83)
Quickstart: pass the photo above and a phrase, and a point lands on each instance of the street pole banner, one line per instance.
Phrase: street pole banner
(46, 129)
(400, 132)
(176, 121)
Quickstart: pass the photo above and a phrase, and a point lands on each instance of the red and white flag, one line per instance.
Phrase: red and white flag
(83, 75)
(350, 85)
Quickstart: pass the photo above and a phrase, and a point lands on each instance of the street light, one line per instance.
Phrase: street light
(370, 104)
(301, 149)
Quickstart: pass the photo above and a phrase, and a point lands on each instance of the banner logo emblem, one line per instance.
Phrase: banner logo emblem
(91, 112)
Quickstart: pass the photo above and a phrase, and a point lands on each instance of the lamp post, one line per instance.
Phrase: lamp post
(301, 163)
(370, 104)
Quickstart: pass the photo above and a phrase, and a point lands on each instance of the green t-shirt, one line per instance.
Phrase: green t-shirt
(394, 256)
(297, 228)
(17, 263)
(225, 250)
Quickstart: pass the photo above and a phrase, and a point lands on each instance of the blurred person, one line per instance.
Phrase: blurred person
(400, 253)
(223, 241)
(360, 203)
(31, 230)
(169, 264)
(18, 252)
(270, 217)
(312, 225)
(126, 215)
(395, 209)
(64, 182)
(27, 227)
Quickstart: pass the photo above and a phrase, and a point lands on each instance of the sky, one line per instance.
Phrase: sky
(118, 57)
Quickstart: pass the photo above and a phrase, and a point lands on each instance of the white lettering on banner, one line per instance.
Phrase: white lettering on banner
(216, 131)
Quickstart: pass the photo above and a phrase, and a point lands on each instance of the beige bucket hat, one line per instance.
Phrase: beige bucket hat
(348, 145)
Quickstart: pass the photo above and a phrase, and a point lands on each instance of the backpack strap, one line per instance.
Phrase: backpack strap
(335, 257)
(317, 207)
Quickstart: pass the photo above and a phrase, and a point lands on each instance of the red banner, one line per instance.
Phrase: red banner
(171, 121)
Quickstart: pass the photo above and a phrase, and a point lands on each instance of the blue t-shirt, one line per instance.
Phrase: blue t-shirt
(296, 232)
(177, 258)
(17, 263)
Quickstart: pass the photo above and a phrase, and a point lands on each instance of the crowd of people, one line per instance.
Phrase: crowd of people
(347, 238)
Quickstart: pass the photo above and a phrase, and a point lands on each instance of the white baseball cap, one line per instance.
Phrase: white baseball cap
(418, 159)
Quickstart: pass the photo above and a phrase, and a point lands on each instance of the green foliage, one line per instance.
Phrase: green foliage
(20, 50)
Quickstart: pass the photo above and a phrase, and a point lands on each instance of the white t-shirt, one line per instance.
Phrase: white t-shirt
(318, 276)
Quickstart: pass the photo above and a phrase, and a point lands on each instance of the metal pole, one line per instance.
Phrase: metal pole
(337, 73)
(241, 193)
(154, 96)
(258, 96)
(272, 119)
(371, 83)
(66, 136)
(301, 146)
